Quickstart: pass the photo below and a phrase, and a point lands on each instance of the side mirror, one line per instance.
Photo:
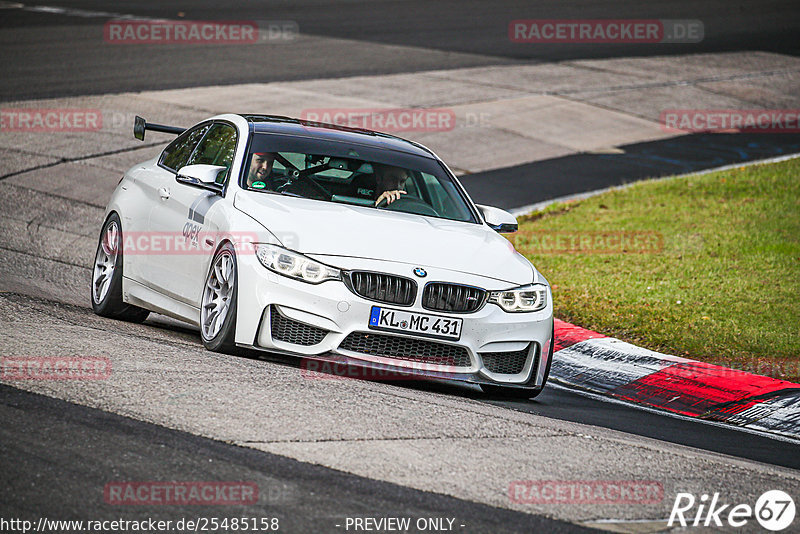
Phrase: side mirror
(499, 220)
(204, 176)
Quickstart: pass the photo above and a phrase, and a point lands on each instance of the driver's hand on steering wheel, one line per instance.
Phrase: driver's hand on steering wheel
(390, 196)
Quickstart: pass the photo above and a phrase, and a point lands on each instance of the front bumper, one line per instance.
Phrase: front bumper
(321, 318)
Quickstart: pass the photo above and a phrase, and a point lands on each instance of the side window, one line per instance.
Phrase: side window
(177, 153)
(216, 148)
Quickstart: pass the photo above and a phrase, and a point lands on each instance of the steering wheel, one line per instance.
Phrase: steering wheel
(409, 204)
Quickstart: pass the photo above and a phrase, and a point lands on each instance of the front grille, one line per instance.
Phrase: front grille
(505, 363)
(408, 349)
(291, 331)
(382, 287)
(452, 297)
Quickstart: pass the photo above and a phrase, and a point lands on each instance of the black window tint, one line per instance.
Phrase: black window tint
(216, 148)
(177, 154)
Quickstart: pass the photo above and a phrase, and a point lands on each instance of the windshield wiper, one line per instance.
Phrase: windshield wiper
(286, 193)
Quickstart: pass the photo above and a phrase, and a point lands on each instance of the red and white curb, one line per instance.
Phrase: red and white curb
(609, 367)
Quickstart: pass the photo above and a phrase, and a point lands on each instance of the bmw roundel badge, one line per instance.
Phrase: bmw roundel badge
(420, 272)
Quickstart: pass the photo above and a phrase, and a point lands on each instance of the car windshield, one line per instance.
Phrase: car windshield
(355, 176)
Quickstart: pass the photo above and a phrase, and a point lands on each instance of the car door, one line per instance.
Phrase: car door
(154, 184)
(180, 272)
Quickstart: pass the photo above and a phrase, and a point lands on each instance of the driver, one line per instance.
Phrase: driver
(260, 168)
(391, 182)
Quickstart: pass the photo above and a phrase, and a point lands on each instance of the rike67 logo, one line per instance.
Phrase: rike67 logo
(774, 511)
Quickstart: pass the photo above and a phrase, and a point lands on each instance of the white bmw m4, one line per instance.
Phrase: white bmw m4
(325, 243)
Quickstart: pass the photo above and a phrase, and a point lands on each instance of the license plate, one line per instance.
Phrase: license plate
(421, 324)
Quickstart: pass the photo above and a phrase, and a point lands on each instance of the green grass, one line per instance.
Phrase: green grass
(725, 287)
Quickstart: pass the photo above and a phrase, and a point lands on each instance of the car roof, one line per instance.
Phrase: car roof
(276, 124)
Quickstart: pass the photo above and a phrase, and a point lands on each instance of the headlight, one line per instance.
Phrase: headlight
(523, 299)
(294, 265)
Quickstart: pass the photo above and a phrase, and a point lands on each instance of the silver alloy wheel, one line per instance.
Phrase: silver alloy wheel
(217, 295)
(105, 262)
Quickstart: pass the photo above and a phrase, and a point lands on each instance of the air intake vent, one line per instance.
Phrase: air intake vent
(505, 363)
(382, 287)
(452, 298)
(408, 349)
(291, 331)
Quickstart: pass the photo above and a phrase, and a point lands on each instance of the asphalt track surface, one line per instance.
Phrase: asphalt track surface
(73, 449)
(523, 185)
(48, 55)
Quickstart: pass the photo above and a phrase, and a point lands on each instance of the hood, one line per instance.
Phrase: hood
(331, 229)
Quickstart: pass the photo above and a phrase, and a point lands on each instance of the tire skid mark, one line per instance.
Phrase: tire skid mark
(82, 158)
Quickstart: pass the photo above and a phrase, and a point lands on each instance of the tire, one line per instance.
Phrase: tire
(218, 303)
(106, 291)
(522, 392)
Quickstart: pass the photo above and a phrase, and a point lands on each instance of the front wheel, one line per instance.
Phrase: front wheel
(218, 304)
(107, 276)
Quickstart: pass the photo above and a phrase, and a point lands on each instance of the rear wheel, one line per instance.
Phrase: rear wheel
(218, 305)
(107, 276)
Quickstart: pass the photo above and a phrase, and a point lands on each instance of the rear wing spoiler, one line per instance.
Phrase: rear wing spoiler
(140, 125)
